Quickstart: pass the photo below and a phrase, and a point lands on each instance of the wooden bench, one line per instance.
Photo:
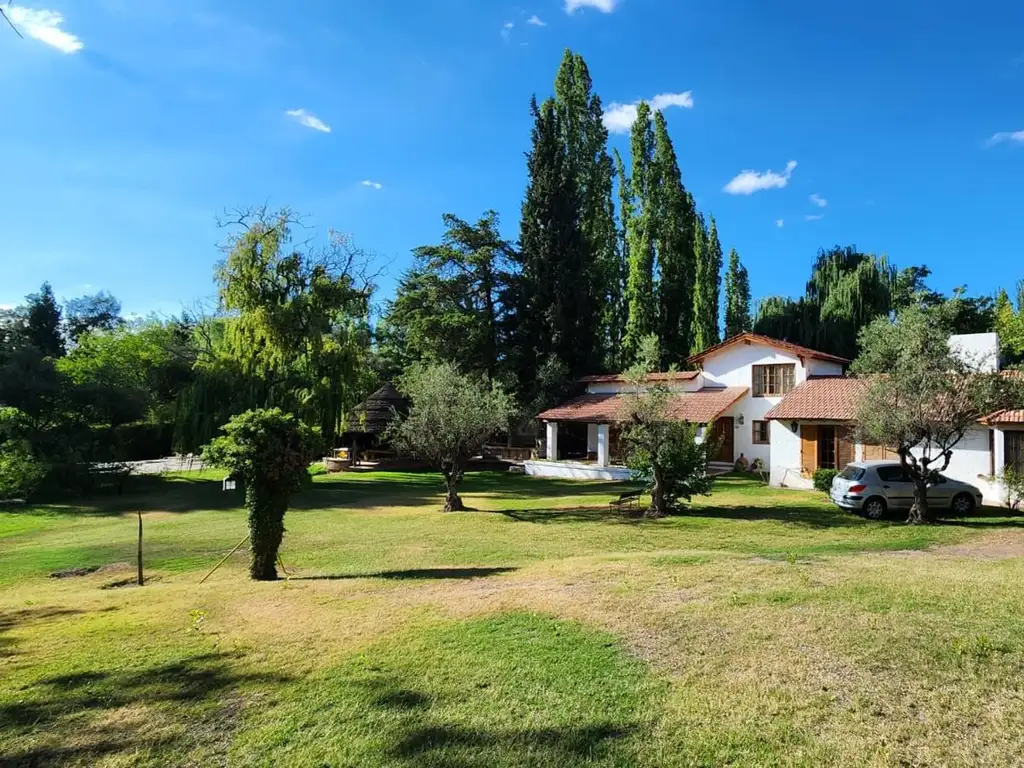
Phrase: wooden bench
(629, 500)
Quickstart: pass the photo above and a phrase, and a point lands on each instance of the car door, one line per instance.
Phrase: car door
(941, 494)
(899, 490)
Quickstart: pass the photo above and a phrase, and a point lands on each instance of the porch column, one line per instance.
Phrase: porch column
(603, 445)
(552, 437)
(591, 439)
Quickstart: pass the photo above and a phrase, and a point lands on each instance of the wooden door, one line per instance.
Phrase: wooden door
(723, 434)
(808, 448)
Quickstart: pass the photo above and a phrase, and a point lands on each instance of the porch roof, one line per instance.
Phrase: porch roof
(700, 407)
(828, 398)
(1015, 416)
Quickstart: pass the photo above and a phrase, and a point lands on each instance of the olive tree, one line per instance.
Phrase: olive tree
(270, 452)
(664, 452)
(922, 396)
(451, 416)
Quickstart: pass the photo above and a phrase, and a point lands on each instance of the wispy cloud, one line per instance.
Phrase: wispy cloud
(506, 29)
(535, 20)
(814, 217)
(1011, 136)
(818, 200)
(780, 223)
(748, 182)
(309, 120)
(620, 117)
(44, 26)
(372, 184)
(604, 6)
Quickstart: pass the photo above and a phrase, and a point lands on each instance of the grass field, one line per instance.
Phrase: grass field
(762, 628)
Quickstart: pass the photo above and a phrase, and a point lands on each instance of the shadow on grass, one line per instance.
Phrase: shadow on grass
(54, 710)
(415, 574)
(605, 514)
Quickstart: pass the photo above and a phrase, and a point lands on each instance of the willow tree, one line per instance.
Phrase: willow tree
(292, 330)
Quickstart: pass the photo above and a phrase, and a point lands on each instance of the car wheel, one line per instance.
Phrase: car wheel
(874, 508)
(963, 504)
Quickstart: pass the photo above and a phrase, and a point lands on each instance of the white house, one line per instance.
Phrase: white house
(738, 382)
(787, 405)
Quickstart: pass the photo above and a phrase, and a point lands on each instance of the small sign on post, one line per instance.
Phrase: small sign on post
(228, 484)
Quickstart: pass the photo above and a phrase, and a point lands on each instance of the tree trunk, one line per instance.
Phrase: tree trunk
(452, 502)
(266, 528)
(919, 512)
(657, 508)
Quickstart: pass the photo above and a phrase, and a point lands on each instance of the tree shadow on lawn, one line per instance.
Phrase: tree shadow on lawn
(415, 574)
(52, 710)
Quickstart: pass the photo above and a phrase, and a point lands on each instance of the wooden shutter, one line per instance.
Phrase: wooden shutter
(808, 448)
(844, 447)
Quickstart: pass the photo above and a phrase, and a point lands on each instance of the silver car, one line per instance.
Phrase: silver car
(875, 487)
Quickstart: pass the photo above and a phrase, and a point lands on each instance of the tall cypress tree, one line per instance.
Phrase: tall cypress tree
(43, 322)
(641, 318)
(705, 295)
(581, 122)
(674, 244)
(737, 297)
(554, 314)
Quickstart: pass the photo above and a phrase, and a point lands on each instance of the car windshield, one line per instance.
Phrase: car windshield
(851, 473)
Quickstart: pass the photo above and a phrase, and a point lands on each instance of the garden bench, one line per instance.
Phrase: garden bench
(629, 500)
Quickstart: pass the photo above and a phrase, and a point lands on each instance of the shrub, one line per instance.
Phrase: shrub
(1013, 485)
(20, 472)
(823, 479)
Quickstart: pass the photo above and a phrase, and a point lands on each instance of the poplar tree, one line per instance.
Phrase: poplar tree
(673, 241)
(581, 125)
(737, 297)
(705, 301)
(641, 318)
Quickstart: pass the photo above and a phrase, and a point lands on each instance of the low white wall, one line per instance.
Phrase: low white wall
(576, 471)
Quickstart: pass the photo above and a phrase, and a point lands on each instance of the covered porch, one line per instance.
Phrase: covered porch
(602, 455)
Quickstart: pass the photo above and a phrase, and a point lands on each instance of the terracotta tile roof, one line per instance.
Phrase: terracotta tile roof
(756, 338)
(824, 398)
(619, 378)
(701, 407)
(1005, 417)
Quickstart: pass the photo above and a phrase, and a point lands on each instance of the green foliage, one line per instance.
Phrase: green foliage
(737, 297)
(97, 312)
(823, 479)
(454, 304)
(42, 324)
(708, 286)
(1013, 487)
(920, 397)
(451, 416)
(21, 473)
(270, 452)
(641, 306)
(1009, 324)
(674, 239)
(555, 317)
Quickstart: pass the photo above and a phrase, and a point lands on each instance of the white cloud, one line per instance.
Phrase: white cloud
(620, 117)
(818, 200)
(535, 20)
(44, 26)
(748, 182)
(309, 120)
(780, 223)
(372, 184)
(999, 138)
(604, 6)
(506, 29)
(814, 217)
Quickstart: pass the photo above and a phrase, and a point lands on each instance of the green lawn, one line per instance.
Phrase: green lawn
(763, 627)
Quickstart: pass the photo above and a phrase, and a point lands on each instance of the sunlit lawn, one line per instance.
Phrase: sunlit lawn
(763, 627)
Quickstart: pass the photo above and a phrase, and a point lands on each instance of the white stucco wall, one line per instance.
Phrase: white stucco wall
(576, 471)
(978, 350)
(785, 457)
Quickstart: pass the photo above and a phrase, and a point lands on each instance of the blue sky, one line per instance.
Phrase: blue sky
(128, 125)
